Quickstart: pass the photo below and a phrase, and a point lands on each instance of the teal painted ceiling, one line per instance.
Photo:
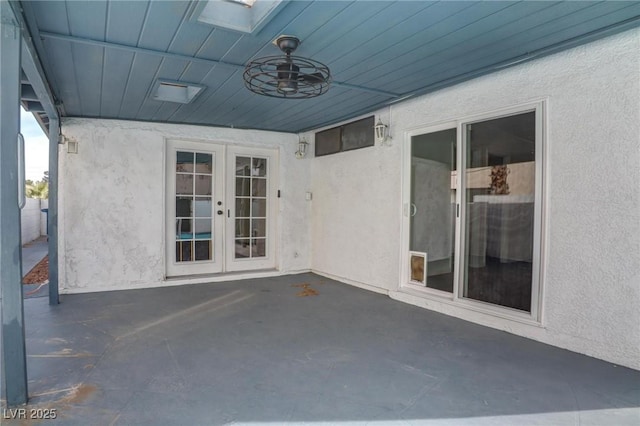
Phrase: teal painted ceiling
(102, 58)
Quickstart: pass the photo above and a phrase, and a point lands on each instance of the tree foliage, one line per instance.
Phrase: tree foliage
(38, 189)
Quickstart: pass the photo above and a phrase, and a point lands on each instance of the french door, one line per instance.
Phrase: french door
(251, 208)
(473, 211)
(220, 208)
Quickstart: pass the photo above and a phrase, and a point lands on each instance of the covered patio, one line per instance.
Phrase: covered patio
(259, 351)
(429, 216)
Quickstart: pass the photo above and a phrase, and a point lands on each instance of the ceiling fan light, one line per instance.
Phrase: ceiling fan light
(287, 86)
(287, 76)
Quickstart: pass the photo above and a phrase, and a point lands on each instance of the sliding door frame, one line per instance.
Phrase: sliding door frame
(535, 316)
(405, 283)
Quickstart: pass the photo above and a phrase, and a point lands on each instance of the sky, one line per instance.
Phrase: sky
(36, 147)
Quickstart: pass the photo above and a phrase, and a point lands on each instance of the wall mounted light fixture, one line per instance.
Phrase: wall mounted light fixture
(72, 144)
(382, 133)
(302, 148)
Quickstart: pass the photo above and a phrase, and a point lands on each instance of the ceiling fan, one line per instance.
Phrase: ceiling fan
(290, 77)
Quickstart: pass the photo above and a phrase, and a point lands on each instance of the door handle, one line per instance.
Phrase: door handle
(220, 212)
(413, 210)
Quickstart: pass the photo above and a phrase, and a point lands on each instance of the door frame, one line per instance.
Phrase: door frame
(226, 151)
(405, 282)
(270, 260)
(173, 268)
(535, 317)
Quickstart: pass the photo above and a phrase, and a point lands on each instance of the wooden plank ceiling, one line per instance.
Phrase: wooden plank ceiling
(102, 58)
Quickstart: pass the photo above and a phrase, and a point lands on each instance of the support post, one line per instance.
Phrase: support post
(14, 360)
(52, 226)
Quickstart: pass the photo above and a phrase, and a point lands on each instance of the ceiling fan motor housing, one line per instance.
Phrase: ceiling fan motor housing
(288, 77)
(287, 43)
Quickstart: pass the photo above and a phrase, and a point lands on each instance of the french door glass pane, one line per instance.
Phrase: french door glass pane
(184, 162)
(250, 203)
(184, 184)
(194, 188)
(243, 166)
(243, 207)
(203, 185)
(203, 229)
(183, 207)
(500, 189)
(259, 167)
(184, 231)
(183, 251)
(204, 163)
(242, 248)
(258, 247)
(259, 188)
(242, 228)
(203, 250)
(242, 187)
(433, 200)
(258, 228)
(258, 208)
(202, 207)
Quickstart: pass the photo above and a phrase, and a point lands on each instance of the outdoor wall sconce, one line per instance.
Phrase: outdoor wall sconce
(302, 148)
(382, 133)
(72, 147)
(72, 144)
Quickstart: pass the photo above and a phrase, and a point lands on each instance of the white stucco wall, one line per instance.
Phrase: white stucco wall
(355, 216)
(112, 198)
(30, 220)
(112, 193)
(591, 281)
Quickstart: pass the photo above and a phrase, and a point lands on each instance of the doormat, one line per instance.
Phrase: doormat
(306, 290)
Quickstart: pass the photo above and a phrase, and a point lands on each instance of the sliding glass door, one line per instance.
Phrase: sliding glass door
(473, 213)
(432, 209)
(499, 183)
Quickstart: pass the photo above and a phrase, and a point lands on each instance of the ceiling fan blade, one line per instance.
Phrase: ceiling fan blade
(315, 78)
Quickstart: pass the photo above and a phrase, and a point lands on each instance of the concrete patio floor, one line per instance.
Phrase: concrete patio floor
(253, 352)
(32, 253)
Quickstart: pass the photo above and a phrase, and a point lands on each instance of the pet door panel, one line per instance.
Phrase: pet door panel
(417, 268)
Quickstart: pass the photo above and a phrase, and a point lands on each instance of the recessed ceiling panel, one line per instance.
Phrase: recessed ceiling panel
(247, 16)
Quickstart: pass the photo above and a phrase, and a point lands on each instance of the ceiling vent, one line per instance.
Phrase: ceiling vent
(176, 91)
(247, 16)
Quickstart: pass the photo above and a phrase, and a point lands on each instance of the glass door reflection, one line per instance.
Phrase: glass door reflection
(432, 209)
(499, 217)
(250, 207)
